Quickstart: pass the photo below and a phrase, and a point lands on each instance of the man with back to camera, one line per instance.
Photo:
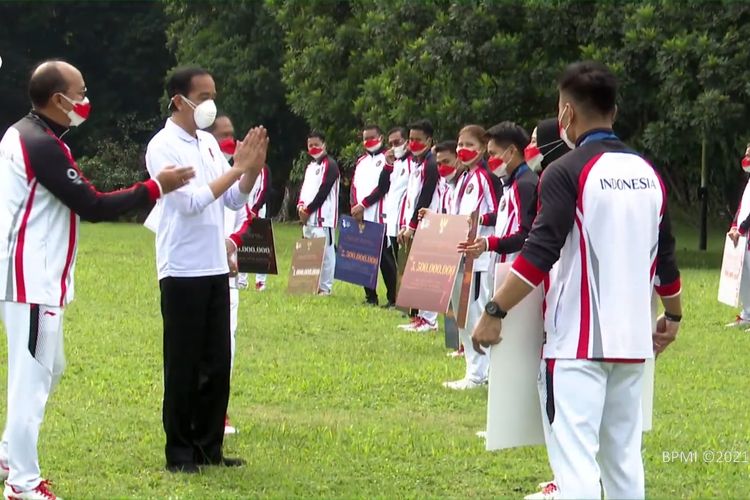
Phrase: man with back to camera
(191, 254)
(44, 196)
(601, 334)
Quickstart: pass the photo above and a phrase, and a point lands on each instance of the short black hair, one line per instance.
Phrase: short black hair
(46, 83)
(314, 134)
(401, 130)
(591, 84)
(371, 126)
(447, 146)
(180, 81)
(507, 133)
(422, 125)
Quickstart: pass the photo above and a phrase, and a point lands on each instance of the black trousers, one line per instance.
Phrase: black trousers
(196, 367)
(389, 272)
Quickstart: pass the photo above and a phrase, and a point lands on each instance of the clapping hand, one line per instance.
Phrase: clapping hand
(251, 152)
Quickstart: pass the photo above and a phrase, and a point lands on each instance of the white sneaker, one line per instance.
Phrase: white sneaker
(548, 491)
(242, 281)
(738, 321)
(41, 492)
(260, 286)
(482, 434)
(324, 293)
(422, 326)
(459, 353)
(410, 324)
(463, 384)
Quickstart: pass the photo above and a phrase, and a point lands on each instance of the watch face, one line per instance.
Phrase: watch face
(491, 308)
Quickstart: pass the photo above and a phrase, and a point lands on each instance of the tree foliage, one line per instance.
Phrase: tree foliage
(294, 65)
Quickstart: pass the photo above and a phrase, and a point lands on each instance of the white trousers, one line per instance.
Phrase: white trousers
(477, 365)
(234, 306)
(592, 413)
(329, 258)
(36, 360)
(745, 287)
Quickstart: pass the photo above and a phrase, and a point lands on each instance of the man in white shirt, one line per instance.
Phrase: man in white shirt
(318, 204)
(191, 256)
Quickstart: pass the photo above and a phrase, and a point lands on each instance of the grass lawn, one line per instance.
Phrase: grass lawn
(333, 401)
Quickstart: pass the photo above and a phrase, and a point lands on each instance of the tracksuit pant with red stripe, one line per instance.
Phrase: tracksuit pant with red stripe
(35, 364)
(593, 425)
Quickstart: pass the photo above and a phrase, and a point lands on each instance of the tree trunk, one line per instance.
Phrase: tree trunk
(288, 211)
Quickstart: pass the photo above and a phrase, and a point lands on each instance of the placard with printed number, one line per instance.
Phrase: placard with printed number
(307, 261)
(258, 251)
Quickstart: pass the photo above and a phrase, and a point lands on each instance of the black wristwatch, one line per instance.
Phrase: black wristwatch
(492, 309)
(674, 318)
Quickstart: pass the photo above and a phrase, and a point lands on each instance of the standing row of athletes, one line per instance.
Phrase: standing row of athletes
(594, 232)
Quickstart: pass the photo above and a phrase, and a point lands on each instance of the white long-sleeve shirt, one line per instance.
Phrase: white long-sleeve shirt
(190, 225)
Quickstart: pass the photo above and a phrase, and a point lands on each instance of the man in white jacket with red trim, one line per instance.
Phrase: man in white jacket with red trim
(44, 197)
(318, 205)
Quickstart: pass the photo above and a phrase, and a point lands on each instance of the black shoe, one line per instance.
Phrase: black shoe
(373, 303)
(188, 468)
(389, 305)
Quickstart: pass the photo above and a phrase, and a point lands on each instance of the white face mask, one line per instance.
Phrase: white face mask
(564, 131)
(80, 111)
(400, 151)
(204, 113)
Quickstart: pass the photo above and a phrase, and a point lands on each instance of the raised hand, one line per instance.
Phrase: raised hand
(251, 152)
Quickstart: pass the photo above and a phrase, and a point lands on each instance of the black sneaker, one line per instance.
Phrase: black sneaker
(373, 303)
(188, 468)
(389, 305)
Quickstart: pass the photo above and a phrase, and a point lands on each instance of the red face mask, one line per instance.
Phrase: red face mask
(746, 164)
(417, 147)
(446, 170)
(314, 152)
(531, 152)
(467, 155)
(494, 163)
(371, 143)
(228, 146)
